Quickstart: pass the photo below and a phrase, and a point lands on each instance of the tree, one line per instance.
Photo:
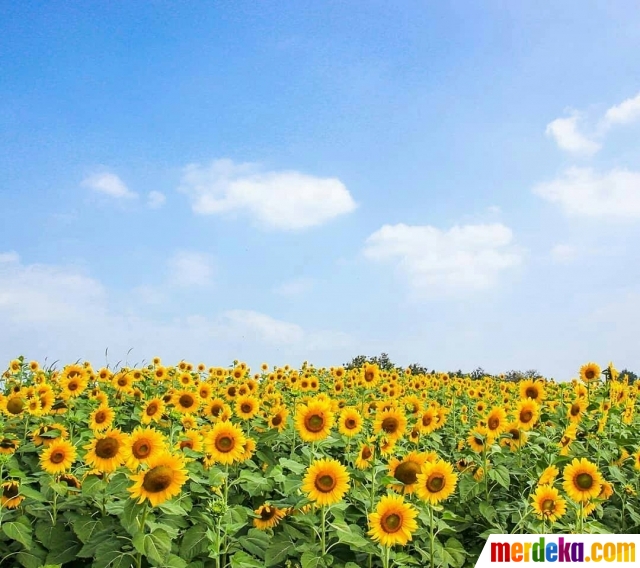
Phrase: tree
(632, 376)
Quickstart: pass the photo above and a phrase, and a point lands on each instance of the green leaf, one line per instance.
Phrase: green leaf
(66, 552)
(243, 560)
(487, 511)
(86, 526)
(173, 561)
(19, 532)
(32, 558)
(278, 552)
(172, 508)
(129, 518)
(92, 485)
(31, 493)
(194, 542)
(351, 535)
(453, 553)
(293, 466)
(256, 542)
(312, 560)
(155, 546)
(501, 475)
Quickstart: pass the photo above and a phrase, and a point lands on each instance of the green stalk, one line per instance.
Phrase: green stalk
(432, 538)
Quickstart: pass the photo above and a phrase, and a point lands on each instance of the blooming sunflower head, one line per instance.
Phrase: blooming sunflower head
(406, 471)
(326, 482)
(267, 517)
(162, 480)
(393, 522)
(314, 420)
(548, 504)
(58, 457)
(436, 482)
(582, 480)
(225, 443)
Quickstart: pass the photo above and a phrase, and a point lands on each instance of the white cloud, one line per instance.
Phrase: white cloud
(624, 113)
(190, 269)
(468, 257)
(563, 252)
(10, 256)
(155, 199)
(250, 325)
(108, 184)
(565, 132)
(584, 192)
(295, 287)
(286, 200)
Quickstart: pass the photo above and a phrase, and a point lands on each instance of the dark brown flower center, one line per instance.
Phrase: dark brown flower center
(407, 472)
(107, 448)
(350, 423)
(6, 444)
(70, 480)
(267, 513)
(325, 483)
(494, 423)
(10, 491)
(224, 443)
(526, 416)
(366, 453)
(314, 422)
(100, 417)
(575, 409)
(231, 391)
(435, 482)
(123, 381)
(584, 481)
(548, 505)
(141, 449)
(187, 401)
(186, 444)
(15, 405)
(390, 425)
(391, 523)
(246, 407)
(158, 479)
(276, 420)
(57, 456)
(152, 408)
(531, 392)
(590, 374)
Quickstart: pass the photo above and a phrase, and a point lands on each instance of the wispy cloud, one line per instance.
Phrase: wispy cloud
(285, 200)
(566, 134)
(108, 184)
(463, 257)
(155, 199)
(626, 112)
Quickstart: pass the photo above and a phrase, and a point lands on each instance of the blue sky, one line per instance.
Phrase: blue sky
(453, 184)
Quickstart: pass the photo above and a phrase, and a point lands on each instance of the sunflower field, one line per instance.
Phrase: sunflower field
(194, 466)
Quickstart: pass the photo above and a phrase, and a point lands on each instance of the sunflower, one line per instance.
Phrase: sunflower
(590, 372)
(142, 445)
(14, 404)
(191, 440)
(533, 390)
(326, 482)
(365, 457)
(350, 422)
(186, 401)
(248, 449)
(496, 421)
(46, 434)
(101, 418)
(548, 475)
(370, 374)
(268, 517)
(10, 497)
(636, 459)
(73, 381)
(582, 480)
(278, 418)
(8, 446)
(428, 421)
(392, 422)
(515, 437)
(479, 439)
(106, 451)
(71, 481)
(436, 482)
(406, 471)
(162, 480)
(314, 420)
(58, 457)
(576, 410)
(247, 407)
(548, 504)
(527, 413)
(225, 443)
(393, 521)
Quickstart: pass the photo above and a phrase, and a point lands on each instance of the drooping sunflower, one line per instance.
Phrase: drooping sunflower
(164, 478)
(436, 482)
(590, 372)
(248, 449)
(225, 443)
(393, 521)
(479, 439)
(268, 517)
(365, 457)
(548, 476)
(326, 482)
(106, 451)
(548, 504)
(14, 404)
(142, 445)
(527, 413)
(186, 401)
(71, 481)
(391, 422)
(101, 418)
(10, 497)
(58, 457)
(8, 446)
(406, 471)
(152, 411)
(576, 410)
(515, 437)
(246, 407)
(582, 480)
(314, 420)
(191, 440)
(350, 422)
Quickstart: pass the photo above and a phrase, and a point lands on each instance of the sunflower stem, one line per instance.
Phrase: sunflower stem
(431, 537)
(142, 526)
(324, 531)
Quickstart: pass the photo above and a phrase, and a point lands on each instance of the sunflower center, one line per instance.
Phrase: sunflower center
(70, 481)
(494, 423)
(325, 483)
(515, 434)
(224, 443)
(391, 523)
(231, 391)
(216, 409)
(107, 448)
(435, 482)
(11, 491)
(101, 416)
(390, 424)
(548, 505)
(426, 420)
(369, 376)
(314, 423)
(584, 481)
(15, 406)
(57, 457)
(6, 444)
(276, 420)
(590, 374)
(407, 472)
(366, 453)
(526, 416)
(350, 423)
(186, 444)
(267, 513)
(246, 408)
(187, 401)
(122, 381)
(152, 408)
(575, 409)
(141, 449)
(531, 392)
(157, 479)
